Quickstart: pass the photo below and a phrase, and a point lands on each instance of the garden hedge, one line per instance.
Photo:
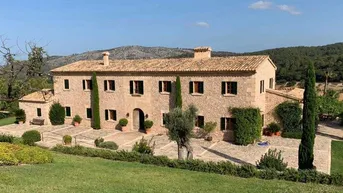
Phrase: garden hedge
(222, 167)
(248, 125)
(289, 114)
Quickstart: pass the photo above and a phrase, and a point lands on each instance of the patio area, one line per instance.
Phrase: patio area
(209, 151)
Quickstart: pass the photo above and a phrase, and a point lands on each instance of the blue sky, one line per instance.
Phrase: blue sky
(75, 26)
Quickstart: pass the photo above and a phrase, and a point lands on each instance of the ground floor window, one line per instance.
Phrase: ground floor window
(68, 111)
(227, 123)
(199, 121)
(164, 116)
(262, 120)
(39, 112)
(89, 113)
(110, 115)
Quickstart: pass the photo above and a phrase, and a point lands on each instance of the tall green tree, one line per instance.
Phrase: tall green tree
(309, 121)
(95, 103)
(180, 125)
(178, 96)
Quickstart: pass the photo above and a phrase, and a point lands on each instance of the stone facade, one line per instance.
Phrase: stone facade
(30, 109)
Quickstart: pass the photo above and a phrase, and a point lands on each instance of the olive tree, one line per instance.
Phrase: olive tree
(180, 125)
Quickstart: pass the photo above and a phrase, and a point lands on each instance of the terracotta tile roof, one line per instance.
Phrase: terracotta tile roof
(233, 63)
(44, 95)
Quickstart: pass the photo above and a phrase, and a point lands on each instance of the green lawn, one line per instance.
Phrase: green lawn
(7, 121)
(82, 174)
(337, 157)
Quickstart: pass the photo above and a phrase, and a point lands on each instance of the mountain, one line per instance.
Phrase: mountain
(291, 61)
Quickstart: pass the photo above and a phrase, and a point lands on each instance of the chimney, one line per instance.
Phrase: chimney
(105, 58)
(202, 52)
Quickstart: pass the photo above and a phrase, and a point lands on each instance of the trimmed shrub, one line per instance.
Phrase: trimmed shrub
(95, 103)
(272, 160)
(30, 137)
(57, 114)
(274, 127)
(248, 125)
(148, 124)
(97, 141)
(292, 134)
(210, 127)
(3, 115)
(108, 145)
(178, 95)
(6, 138)
(123, 122)
(20, 115)
(144, 146)
(67, 139)
(224, 168)
(77, 119)
(289, 114)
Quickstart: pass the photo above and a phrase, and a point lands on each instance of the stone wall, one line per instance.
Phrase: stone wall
(30, 109)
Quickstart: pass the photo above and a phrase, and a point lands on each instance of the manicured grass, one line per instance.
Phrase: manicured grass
(337, 157)
(7, 121)
(83, 174)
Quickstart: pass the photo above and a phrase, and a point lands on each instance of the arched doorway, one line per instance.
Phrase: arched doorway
(138, 119)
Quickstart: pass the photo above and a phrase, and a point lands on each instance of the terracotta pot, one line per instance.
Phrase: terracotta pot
(124, 128)
(209, 138)
(148, 130)
(76, 124)
(277, 133)
(21, 122)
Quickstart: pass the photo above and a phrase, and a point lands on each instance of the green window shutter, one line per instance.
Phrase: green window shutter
(89, 113)
(234, 88)
(66, 84)
(131, 87)
(115, 115)
(91, 88)
(190, 87)
(39, 112)
(201, 87)
(223, 87)
(160, 86)
(106, 115)
(84, 84)
(68, 111)
(201, 121)
(222, 123)
(169, 86)
(114, 85)
(105, 85)
(141, 87)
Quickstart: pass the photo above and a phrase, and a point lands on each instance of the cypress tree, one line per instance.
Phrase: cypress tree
(309, 121)
(95, 103)
(178, 99)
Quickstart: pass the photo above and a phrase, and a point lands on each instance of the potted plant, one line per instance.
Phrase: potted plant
(20, 116)
(209, 129)
(123, 122)
(274, 129)
(77, 120)
(147, 125)
(67, 139)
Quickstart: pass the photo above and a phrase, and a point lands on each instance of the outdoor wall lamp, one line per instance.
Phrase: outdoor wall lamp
(127, 114)
(146, 116)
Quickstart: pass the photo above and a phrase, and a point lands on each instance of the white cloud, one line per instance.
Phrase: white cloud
(289, 9)
(261, 5)
(202, 24)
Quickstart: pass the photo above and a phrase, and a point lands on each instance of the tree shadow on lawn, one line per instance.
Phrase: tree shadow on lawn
(233, 159)
(330, 136)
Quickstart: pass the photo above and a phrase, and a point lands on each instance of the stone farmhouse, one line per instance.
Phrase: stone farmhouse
(145, 89)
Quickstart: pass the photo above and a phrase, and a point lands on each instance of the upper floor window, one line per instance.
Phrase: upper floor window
(89, 113)
(68, 111)
(261, 86)
(227, 123)
(199, 121)
(164, 86)
(110, 115)
(196, 87)
(229, 88)
(66, 84)
(271, 83)
(136, 87)
(109, 85)
(87, 84)
(39, 112)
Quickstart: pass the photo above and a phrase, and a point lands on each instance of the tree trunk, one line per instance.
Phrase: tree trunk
(179, 152)
(189, 150)
(326, 83)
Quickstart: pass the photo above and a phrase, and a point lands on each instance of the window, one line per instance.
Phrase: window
(87, 84)
(196, 87)
(136, 87)
(68, 111)
(199, 121)
(89, 113)
(110, 115)
(271, 83)
(229, 88)
(109, 85)
(39, 112)
(227, 123)
(164, 116)
(261, 86)
(262, 120)
(164, 86)
(66, 84)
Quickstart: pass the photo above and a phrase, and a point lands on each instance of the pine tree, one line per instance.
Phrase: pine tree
(95, 103)
(309, 116)
(178, 99)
